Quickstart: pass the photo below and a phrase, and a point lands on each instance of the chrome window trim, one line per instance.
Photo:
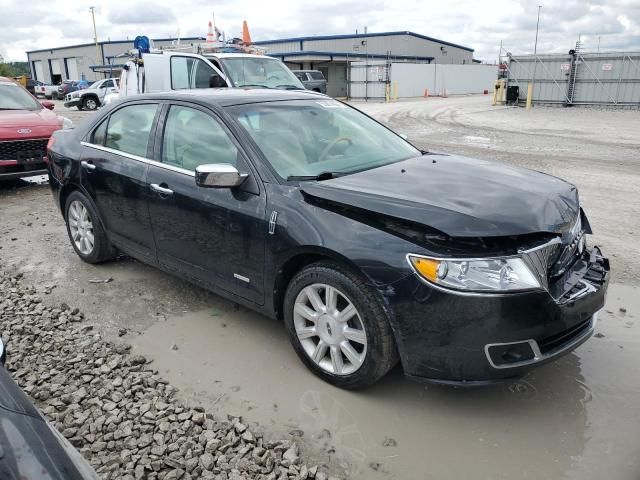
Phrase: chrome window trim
(139, 159)
(538, 356)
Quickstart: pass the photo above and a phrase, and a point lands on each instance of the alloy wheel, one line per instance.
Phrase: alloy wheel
(81, 227)
(330, 329)
(90, 104)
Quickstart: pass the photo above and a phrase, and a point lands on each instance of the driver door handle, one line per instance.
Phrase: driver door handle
(162, 190)
(87, 165)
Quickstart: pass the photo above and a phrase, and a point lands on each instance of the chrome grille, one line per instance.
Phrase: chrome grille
(540, 259)
(554, 257)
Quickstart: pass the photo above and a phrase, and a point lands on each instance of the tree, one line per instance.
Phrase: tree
(14, 69)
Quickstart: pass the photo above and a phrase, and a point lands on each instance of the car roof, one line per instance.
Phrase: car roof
(225, 97)
(306, 71)
(238, 55)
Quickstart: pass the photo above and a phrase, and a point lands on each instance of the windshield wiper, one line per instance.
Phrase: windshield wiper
(289, 87)
(253, 85)
(319, 177)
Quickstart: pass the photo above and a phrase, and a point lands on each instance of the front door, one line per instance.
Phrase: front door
(114, 169)
(215, 236)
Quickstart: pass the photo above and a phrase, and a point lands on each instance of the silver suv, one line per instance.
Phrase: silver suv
(312, 80)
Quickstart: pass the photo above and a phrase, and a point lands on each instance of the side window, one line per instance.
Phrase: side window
(192, 138)
(301, 76)
(180, 72)
(316, 76)
(189, 72)
(99, 134)
(202, 74)
(129, 129)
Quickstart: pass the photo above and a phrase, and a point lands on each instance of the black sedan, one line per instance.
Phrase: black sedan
(370, 250)
(29, 445)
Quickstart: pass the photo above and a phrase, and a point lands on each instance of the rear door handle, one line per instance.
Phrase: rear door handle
(162, 190)
(87, 165)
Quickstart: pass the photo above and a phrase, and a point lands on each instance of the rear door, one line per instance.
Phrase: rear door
(114, 168)
(214, 236)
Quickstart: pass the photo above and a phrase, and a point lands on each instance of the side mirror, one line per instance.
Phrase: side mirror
(48, 105)
(216, 81)
(219, 175)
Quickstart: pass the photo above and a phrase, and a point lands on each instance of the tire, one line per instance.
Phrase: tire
(90, 103)
(375, 357)
(101, 250)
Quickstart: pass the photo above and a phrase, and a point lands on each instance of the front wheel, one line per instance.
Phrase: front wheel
(338, 326)
(90, 103)
(85, 230)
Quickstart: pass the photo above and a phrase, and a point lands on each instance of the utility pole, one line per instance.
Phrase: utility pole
(95, 36)
(535, 46)
(535, 62)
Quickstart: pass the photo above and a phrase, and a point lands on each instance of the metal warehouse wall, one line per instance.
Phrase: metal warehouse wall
(580, 79)
(401, 44)
(412, 79)
(83, 56)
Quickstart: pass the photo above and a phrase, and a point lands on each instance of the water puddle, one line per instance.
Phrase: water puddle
(576, 418)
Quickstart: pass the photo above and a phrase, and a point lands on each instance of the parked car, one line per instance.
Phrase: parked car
(92, 97)
(369, 249)
(46, 91)
(312, 80)
(31, 447)
(25, 128)
(66, 87)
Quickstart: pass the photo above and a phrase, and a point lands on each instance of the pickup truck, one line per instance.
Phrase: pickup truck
(92, 97)
(46, 91)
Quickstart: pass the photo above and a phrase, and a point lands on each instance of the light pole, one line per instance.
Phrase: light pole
(95, 35)
(535, 46)
(535, 62)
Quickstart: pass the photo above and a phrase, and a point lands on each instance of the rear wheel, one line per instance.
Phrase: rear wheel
(338, 327)
(85, 230)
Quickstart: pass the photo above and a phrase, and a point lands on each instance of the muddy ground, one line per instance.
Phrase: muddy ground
(578, 418)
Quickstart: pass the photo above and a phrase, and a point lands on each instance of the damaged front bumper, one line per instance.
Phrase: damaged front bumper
(448, 338)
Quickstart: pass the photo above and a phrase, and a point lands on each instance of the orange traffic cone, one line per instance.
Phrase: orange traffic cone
(210, 33)
(246, 37)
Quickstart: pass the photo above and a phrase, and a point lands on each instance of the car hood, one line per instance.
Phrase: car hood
(459, 196)
(15, 123)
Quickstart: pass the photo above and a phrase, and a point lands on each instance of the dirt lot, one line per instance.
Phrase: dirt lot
(577, 418)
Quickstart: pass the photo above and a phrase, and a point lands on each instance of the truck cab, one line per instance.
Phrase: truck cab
(170, 70)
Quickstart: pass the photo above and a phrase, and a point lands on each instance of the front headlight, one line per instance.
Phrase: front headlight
(66, 122)
(490, 275)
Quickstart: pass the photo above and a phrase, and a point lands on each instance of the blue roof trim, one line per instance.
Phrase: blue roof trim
(362, 35)
(347, 54)
(111, 42)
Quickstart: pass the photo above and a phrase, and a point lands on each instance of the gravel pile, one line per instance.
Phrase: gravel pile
(115, 409)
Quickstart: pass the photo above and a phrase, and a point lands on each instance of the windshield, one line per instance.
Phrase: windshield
(14, 97)
(303, 138)
(264, 72)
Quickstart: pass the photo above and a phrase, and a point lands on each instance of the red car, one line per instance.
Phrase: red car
(25, 128)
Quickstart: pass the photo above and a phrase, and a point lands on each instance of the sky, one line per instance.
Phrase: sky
(481, 25)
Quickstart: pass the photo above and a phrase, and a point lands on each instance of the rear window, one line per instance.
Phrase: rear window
(316, 75)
